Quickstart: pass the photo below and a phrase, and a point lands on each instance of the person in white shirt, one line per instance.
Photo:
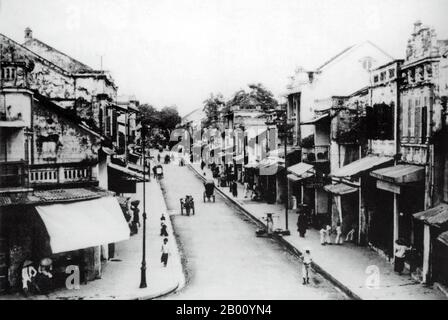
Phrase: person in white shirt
(322, 233)
(28, 274)
(400, 251)
(306, 267)
(165, 252)
(338, 239)
(328, 234)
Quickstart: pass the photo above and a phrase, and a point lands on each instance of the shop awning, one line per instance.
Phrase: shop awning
(359, 166)
(294, 178)
(435, 216)
(340, 189)
(443, 238)
(400, 174)
(317, 119)
(302, 170)
(239, 158)
(281, 152)
(12, 124)
(84, 224)
(271, 166)
(126, 171)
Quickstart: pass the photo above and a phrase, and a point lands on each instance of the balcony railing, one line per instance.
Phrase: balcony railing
(12, 174)
(316, 154)
(60, 174)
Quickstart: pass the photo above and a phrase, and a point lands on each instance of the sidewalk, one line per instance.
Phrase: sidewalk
(345, 265)
(121, 275)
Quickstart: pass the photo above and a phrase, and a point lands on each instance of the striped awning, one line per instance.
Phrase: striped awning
(359, 166)
(340, 189)
(435, 216)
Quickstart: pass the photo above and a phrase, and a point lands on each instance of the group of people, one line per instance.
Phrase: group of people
(37, 281)
(133, 219)
(325, 234)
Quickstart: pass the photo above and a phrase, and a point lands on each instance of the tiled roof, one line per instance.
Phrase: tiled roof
(54, 196)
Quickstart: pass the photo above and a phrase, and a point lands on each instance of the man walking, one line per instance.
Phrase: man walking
(165, 252)
(306, 267)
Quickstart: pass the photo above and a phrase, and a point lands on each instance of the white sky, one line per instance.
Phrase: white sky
(178, 51)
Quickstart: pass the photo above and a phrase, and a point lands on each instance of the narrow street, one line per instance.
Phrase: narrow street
(222, 256)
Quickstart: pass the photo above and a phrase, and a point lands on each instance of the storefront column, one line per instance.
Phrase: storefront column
(426, 253)
(338, 200)
(361, 219)
(396, 218)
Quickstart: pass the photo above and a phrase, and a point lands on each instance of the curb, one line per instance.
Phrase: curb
(283, 242)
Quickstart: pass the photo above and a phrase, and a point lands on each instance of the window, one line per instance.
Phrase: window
(391, 73)
(8, 73)
(375, 79)
(383, 76)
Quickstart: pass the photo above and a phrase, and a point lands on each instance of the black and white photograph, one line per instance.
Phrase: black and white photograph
(221, 150)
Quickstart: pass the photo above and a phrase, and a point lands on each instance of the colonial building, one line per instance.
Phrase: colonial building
(50, 155)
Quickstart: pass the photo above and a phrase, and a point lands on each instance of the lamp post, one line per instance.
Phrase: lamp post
(143, 267)
(282, 124)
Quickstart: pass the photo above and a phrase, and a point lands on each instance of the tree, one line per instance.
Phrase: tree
(149, 115)
(258, 96)
(169, 118)
(212, 107)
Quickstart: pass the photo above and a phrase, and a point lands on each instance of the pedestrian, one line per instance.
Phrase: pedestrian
(246, 189)
(328, 234)
(162, 217)
(28, 275)
(306, 267)
(269, 224)
(338, 234)
(322, 233)
(302, 224)
(234, 189)
(135, 217)
(400, 255)
(163, 230)
(202, 165)
(158, 157)
(165, 252)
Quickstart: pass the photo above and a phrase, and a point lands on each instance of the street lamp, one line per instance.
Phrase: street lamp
(281, 121)
(143, 267)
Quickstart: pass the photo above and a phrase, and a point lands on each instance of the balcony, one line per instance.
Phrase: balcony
(316, 154)
(12, 174)
(64, 173)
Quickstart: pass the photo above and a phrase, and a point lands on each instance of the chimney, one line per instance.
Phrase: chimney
(28, 34)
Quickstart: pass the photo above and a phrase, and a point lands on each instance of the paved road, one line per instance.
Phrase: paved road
(223, 258)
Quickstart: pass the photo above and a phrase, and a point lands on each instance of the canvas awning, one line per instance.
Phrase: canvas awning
(239, 158)
(271, 166)
(340, 189)
(84, 224)
(108, 151)
(443, 238)
(294, 178)
(317, 119)
(126, 171)
(435, 216)
(302, 170)
(12, 124)
(400, 174)
(359, 166)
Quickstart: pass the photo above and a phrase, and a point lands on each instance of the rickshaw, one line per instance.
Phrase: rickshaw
(209, 192)
(187, 204)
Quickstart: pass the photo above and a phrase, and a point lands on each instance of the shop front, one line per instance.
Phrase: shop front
(53, 237)
(435, 236)
(343, 206)
(401, 190)
(272, 177)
